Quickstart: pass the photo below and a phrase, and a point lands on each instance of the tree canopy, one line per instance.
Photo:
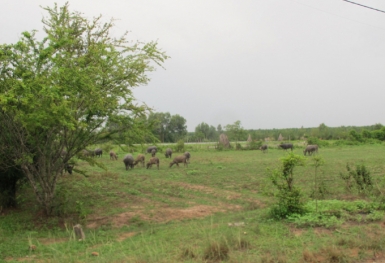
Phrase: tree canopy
(167, 127)
(57, 93)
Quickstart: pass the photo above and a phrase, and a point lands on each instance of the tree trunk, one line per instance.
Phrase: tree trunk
(43, 184)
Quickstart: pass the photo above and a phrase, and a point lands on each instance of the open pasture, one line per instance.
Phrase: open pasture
(216, 209)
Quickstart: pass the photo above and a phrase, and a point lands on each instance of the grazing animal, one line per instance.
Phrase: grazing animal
(153, 160)
(113, 155)
(149, 149)
(153, 152)
(188, 155)
(140, 159)
(68, 168)
(286, 146)
(98, 152)
(168, 153)
(88, 153)
(310, 149)
(263, 148)
(128, 161)
(179, 159)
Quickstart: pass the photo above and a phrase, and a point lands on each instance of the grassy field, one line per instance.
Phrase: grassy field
(216, 209)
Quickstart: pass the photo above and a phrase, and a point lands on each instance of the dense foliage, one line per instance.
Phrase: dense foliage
(57, 93)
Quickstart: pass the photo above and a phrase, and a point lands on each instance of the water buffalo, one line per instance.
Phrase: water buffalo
(140, 159)
(88, 153)
(263, 148)
(179, 159)
(153, 160)
(128, 161)
(68, 168)
(98, 152)
(286, 146)
(310, 149)
(113, 155)
(188, 155)
(149, 149)
(168, 153)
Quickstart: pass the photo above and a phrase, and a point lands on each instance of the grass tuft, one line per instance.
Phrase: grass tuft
(216, 251)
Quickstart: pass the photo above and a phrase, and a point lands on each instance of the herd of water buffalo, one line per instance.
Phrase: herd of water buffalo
(309, 150)
(130, 162)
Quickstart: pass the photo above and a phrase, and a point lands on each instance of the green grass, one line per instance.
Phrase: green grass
(183, 214)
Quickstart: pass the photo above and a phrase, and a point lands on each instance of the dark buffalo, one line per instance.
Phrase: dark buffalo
(310, 149)
(168, 153)
(263, 148)
(128, 161)
(68, 168)
(88, 153)
(286, 146)
(98, 152)
(188, 155)
(149, 149)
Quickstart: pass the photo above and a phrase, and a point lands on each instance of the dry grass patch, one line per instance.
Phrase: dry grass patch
(216, 251)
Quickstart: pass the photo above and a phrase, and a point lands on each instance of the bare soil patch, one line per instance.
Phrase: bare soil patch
(49, 241)
(124, 236)
(159, 214)
(150, 210)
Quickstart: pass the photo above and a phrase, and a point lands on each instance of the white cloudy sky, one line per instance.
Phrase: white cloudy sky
(267, 63)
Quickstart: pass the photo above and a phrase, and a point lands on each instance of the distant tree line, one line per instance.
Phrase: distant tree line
(167, 128)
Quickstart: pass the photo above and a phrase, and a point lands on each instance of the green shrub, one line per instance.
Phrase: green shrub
(345, 142)
(289, 197)
(254, 145)
(179, 147)
(360, 178)
(320, 143)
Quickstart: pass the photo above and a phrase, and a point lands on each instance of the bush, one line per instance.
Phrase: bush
(360, 177)
(254, 145)
(289, 197)
(345, 142)
(320, 143)
(179, 146)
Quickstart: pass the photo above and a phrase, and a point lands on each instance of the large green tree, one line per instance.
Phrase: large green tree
(57, 93)
(205, 132)
(177, 127)
(167, 127)
(235, 131)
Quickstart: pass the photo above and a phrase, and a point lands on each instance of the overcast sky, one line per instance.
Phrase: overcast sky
(267, 63)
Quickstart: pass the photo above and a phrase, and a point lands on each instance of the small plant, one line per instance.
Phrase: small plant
(320, 143)
(289, 196)
(187, 254)
(192, 172)
(254, 145)
(216, 251)
(82, 212)
(317, 162)
(179, 147)
(360, 178)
